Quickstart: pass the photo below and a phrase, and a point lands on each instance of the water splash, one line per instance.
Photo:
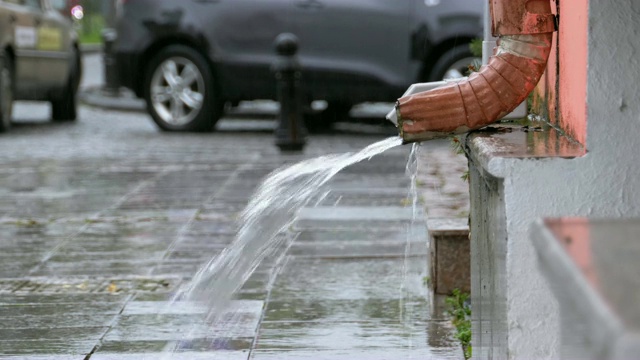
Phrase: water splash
(270, 211)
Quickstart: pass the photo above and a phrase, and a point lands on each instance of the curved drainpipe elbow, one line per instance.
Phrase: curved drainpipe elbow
(525, 29)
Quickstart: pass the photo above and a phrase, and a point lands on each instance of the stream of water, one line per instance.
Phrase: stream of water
(271, 211)
(405, 312)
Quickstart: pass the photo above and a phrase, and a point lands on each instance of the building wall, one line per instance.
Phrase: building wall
(613, 91)
(593, 76)
(572, 78)
(562, 92)
(599, 104)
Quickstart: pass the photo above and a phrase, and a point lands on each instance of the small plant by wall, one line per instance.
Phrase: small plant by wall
(460, 311)
(456, 146)
(475, 46)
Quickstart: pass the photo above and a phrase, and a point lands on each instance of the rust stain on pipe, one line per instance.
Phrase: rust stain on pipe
(525, 28)
(516, 17)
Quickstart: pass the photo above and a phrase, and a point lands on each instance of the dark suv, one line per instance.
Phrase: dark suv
(187, 58)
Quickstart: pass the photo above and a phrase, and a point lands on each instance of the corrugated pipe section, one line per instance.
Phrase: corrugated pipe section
(525, 29)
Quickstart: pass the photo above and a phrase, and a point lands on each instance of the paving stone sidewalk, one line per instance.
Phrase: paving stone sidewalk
(96, 241)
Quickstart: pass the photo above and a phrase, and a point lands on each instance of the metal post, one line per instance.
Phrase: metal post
(291, 133)
(112, 85)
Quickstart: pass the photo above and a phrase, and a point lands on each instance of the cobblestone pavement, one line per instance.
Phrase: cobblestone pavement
(102, 220)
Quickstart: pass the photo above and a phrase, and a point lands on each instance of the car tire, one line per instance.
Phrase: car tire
(6, 92)
(65, 108)
(453, 63)
(179, 91)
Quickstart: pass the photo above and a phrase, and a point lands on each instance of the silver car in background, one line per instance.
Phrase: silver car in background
(188, 58)
(39, 59)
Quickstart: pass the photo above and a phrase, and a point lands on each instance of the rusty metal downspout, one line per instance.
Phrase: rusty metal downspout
(525, 29)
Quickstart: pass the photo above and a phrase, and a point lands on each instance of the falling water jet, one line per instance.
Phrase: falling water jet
(270, 211)
(405, 311)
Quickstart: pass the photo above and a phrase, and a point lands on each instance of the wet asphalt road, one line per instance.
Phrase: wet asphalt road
(102, 219)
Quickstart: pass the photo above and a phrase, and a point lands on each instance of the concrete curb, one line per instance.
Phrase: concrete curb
(124, 100)
(91, 48)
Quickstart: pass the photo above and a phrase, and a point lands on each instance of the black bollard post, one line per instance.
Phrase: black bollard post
(291, 133)
(112, 87)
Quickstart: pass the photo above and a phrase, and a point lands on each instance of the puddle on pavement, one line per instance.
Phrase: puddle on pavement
(370, 249)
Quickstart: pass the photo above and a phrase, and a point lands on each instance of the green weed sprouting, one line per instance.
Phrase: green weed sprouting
(465, 176)
(475, 46)
(456, 145)
(460, 312)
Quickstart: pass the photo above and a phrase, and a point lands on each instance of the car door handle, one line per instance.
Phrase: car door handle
(310, 4)
(12, 18)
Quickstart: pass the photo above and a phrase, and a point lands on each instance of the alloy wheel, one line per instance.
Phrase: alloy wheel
(177, 91)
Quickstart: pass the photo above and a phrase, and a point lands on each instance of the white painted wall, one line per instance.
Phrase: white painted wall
(605, 183)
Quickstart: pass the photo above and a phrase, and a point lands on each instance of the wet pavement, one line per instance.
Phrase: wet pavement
(104, 219)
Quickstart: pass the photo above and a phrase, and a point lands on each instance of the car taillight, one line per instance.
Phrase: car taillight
(77, 12)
